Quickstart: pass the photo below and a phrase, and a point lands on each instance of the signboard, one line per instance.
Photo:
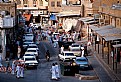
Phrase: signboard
(8, 22)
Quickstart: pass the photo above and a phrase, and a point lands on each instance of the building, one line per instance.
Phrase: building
(8, 21)
(34, 8)
(110, 13)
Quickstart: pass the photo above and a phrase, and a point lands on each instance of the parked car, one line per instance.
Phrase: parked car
(30, 61)
(34, 46)
(26, 43)
(82, 62)
(33, 51)
(28, 54)
(28, 37)
(74, 46)
(66, 55)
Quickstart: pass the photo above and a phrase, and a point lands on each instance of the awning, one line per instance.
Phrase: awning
(117, 45)
(108, 32)
(91, 22)
(27, 16)
(86, 19)
(67, 15)
(95, 28)
(52, 17)
(109, 38)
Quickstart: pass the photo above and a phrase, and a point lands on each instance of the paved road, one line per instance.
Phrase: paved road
(42, 74)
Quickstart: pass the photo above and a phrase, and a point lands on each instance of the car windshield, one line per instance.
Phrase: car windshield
(32, 46)
(81, 60)
(29, 59)
(28, 40)
(75, 45)
(69, 54)
(75, 50)
(28, 55)
(31, 50)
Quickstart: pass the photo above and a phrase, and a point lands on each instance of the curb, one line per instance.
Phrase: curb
(109, 71)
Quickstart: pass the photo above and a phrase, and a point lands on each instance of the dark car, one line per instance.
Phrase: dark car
(82, 62)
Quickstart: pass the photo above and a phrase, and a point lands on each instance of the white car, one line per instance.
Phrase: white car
(33, 51)
(28, 54)
(34, 46)
(74, 46)
(28, 36)
(66, 55)
(26, 43)
(30, 61)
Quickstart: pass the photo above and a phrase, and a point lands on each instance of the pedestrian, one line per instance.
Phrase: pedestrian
(7, 66)
(19, 52)
(82, 53)
(53, 71)
(22, 70)
(1, 60)
(62, 49)
(57, 70)
(18, 71)
(13, 67)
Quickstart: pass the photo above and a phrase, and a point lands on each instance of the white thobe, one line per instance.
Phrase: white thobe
(18, 71)
(62, 49)
(53, 72)
(57, 71)
(22, 71)
(82, 53)
(0, 60)
(13, 68)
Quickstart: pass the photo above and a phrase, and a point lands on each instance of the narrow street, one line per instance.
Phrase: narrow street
(43, 74)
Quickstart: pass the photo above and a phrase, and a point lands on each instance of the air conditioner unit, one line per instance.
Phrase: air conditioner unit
(25, 5)
(34, 5)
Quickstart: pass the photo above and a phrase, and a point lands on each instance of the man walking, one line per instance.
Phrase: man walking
(57, 70)
(53, 71)
(13, 68)
(18, 71)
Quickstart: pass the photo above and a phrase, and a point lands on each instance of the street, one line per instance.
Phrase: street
(43, 74)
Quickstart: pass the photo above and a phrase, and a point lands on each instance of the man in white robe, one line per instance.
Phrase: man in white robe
(57, 70)
(53, 71)
(13, 68)
(22, 71)
(18, 71)
(1, 60)
(62, 49)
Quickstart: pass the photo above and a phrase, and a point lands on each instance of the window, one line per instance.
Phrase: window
(117, 22)
(70, 2)
(120, 22)
(52, 4)
(34, 1)
(58, 4)
(40, 2)
(25, 1)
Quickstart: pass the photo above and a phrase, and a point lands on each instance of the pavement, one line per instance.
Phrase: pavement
(103, 61)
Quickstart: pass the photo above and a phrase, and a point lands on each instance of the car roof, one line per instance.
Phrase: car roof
(28, 52)
(67, 52)
(31, 49)
(28, 34)
(81, 58)
(32, 45)
(29, 56)
(75, 44)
